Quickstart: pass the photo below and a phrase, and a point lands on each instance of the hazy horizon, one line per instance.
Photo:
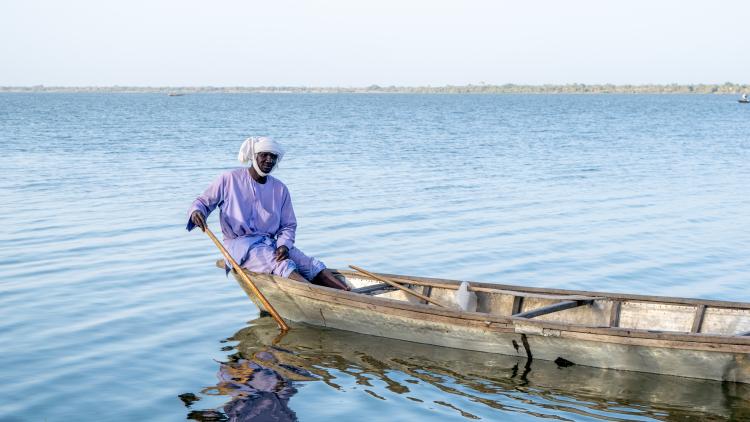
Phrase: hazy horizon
(365, 86)
(343, 44)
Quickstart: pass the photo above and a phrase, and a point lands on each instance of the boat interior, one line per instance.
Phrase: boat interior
(593, 309)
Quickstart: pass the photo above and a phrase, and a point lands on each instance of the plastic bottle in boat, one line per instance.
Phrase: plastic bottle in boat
(466, 300)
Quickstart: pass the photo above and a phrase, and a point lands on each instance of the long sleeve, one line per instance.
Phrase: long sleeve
(208, 200)
(287, 224)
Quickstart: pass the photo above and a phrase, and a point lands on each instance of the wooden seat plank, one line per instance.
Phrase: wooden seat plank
(555, 307)
(374, 289)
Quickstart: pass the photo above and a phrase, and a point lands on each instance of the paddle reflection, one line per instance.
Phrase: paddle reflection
(264, 374)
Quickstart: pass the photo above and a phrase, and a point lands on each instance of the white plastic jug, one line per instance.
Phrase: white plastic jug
(466, 300)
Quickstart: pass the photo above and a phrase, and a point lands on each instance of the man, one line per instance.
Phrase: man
(257, 218)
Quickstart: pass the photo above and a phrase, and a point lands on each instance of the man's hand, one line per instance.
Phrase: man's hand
(197, 218)
(282, 253)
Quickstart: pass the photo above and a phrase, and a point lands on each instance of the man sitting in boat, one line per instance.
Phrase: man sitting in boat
(257, 218)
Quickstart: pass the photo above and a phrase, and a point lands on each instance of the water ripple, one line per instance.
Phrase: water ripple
(109, 309)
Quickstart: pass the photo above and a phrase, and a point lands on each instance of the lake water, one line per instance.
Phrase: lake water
(110, 310)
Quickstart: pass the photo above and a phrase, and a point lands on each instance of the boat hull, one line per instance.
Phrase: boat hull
(602, 347)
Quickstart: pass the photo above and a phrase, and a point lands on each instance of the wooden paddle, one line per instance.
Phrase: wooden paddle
(246, 279)
(398, 286)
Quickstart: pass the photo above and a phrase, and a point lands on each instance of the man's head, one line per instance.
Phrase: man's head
(266, 161)
(264, 152)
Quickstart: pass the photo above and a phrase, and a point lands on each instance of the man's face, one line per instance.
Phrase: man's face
(266, 161)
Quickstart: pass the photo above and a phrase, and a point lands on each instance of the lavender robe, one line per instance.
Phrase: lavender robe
(255, 218)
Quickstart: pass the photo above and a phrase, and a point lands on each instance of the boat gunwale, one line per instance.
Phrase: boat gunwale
(506, 323)
(541, 292)
(510, 289)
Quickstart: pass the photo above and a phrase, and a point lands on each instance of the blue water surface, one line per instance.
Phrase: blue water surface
(110, 310)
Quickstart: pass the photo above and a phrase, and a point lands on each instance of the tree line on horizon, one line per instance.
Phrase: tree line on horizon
(575, 88)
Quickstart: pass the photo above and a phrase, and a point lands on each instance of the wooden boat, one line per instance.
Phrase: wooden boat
(694, 338)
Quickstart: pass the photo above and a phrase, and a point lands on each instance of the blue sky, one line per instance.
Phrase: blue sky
(358, 43)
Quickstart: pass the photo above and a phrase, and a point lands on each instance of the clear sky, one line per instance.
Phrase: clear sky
(362, 42)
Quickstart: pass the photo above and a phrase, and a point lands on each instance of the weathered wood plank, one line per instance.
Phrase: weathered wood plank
(712, 356)
(426, 291)
(517, 305)
(374, 289)
(700, 311)
(634, 337)
(398, 286)
(555, 307)
(418, 311)
(652, 342)
(551, 292)
(471, 318)
(614, 315)
(546, 293)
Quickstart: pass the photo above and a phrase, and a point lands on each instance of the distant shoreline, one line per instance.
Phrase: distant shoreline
(726, 88)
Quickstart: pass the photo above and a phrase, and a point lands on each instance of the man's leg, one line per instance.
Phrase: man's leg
(262, 259)
(326, 278)
(315, 271)
(294, 275)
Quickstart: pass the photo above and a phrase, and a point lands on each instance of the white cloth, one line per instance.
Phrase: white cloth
(256, 144)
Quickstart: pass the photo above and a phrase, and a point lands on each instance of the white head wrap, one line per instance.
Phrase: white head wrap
(255, 144)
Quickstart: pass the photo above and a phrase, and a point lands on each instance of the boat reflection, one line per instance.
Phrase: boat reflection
(261, 377)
